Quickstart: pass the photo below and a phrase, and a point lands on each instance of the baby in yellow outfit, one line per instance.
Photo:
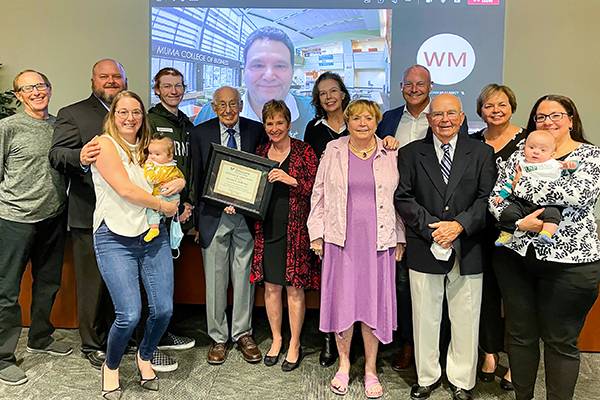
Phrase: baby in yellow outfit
(159, 168)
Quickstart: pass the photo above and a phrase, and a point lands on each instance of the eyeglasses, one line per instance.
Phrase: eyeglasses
(170, 86)
(222, 106)
(438, 115)
(331, 92)
(554, 117)
(124, 114)
(418, 85)
(41, 87)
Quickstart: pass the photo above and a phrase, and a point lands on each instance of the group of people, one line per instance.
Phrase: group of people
(404, 222)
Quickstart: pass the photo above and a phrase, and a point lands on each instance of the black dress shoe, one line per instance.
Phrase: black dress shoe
(271, 360)
(486, 376)
(506, 385)
(423, 392)
(287, 366)
(329, 352)
(460, 394)
(96, 358)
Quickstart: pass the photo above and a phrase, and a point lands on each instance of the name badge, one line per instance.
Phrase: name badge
(160, 129)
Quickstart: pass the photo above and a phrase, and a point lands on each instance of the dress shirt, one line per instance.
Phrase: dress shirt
(225, 135)
(439, 152)
(411, 128)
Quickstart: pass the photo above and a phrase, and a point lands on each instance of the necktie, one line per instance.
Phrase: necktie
(231, 143)
(446, 163)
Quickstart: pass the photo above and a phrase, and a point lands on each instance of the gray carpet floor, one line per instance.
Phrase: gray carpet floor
(72, 377)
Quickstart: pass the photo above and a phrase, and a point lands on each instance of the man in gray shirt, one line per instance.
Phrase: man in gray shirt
(32, 224)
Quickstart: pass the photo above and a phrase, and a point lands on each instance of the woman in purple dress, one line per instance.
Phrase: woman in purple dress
(353, 225)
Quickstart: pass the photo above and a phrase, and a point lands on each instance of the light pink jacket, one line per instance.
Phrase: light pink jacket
(327, 218)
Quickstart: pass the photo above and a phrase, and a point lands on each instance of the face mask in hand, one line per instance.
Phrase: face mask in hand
(175, 234)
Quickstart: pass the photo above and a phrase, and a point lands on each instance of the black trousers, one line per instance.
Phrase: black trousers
(43, 243)
(491, 323)
(519, 208)
(94, 306)
(548, 301)
(405, 330)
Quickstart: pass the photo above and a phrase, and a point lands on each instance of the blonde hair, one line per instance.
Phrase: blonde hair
(360, 106)
(143, 134)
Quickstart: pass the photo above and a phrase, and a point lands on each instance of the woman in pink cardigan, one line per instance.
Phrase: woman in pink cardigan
(353, 225)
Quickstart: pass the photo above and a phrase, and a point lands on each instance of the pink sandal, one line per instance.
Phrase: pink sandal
(371, 384)
(343, 378)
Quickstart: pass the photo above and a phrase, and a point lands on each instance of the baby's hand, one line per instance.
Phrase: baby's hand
(568, 164)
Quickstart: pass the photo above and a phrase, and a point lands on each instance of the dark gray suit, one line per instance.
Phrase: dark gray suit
(76, 125)
(226, 240)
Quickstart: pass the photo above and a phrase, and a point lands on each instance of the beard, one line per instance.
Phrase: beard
(104, 96)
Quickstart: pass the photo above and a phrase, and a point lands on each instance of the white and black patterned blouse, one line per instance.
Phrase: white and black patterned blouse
(576, 240)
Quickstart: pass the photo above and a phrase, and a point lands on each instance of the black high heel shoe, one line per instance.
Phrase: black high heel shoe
(148, 384)
(329, 352)
(507, 385)
(489, 376)
(114, 394)
(287, 366)
(269, 361)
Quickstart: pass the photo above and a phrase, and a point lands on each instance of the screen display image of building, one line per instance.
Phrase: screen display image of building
(277, 49)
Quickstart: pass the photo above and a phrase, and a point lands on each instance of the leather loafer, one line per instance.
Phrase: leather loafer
(287, 366)
(403, 358)
(249, 349)
(329, 352)
(423, 392)
(460, 394)
(217, 353)
(96, 358)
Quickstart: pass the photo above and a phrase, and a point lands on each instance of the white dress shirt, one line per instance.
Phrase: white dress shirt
(411, 128)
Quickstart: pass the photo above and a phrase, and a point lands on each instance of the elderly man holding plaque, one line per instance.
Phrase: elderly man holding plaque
(225, 236)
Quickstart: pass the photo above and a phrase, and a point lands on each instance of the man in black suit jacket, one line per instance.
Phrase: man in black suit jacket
(71, 153)
(445, 180)
(225, 236)
(408, 123)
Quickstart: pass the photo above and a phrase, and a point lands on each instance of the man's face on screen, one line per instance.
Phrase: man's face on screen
(268, 72)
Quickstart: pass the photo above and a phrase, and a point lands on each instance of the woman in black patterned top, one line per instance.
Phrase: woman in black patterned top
(495, 105)
(548, 289)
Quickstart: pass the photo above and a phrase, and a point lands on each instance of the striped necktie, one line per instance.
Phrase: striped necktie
(231, 142)
(446, 163)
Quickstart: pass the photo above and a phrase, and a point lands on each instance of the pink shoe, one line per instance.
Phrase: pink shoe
(343, 379)
(373, 388)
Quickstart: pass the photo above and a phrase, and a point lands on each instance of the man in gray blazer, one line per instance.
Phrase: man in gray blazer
(225, 237)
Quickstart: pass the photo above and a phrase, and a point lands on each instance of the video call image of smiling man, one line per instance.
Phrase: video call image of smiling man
(268, 73)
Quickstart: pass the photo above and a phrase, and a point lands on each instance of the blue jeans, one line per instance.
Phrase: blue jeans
(122, 261)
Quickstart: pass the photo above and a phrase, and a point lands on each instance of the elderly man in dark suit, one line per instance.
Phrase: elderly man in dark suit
(445, 180)
(71, 153)
(225, 237)
(408, 123)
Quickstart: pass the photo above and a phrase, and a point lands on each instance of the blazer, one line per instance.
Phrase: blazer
(327, 218)
(76, 125)
(391, 119)
(207, 216)
(423, 198)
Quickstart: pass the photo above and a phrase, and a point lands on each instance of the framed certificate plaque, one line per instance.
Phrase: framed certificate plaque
(239, 179)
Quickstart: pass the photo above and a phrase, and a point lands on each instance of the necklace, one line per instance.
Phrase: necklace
(364, 153)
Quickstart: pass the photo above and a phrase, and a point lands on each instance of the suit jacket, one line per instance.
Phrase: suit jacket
(76, 125)
(207, 216)
(391, 119)
(423, 198)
